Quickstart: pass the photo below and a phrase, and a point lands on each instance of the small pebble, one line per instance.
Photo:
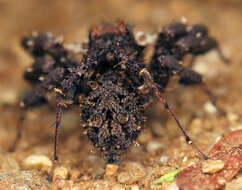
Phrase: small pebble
(23, 180)
(59, 179)
(134, 172)
(232, 117)
(124, 177)
(145, 39)
(234, 184)
(135, 187)
(172, 186)
(210, 108)
(75, 174)
(153, 146)
(164, 159)
(60, 172)
(117, 187)
(111, 170)
(35, 161)
(8, 96)
(212, 166)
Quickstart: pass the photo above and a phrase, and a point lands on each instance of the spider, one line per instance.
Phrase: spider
(110, 82)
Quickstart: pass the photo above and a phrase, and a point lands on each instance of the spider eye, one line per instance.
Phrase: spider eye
(123, 118)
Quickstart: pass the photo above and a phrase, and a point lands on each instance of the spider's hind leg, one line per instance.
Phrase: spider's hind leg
(197, 42)
(20, 121)
(189, 77)
(59, 114)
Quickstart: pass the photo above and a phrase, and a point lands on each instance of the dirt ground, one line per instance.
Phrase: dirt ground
(152, 155)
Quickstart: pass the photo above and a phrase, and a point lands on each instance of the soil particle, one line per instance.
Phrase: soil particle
(234, 184)
(23, 180)
(132, 173)
(40, 162)
(172, 186)
(154, 146)
(9, 164)
(118, 187)
(60, 172)
(111, 170)
(212, 166)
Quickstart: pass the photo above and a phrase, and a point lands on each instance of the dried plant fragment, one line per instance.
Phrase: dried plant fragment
(229, 151)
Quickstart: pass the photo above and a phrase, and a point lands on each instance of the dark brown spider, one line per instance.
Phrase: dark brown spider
(110, 79)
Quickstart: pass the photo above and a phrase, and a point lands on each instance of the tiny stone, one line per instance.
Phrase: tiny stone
(210, 108)
(234, 184)
(111, 170)
(38, 162)
(183, 19)
(184, 159)
(8, 96)
(75, 174)
(24, 180)
(75, 47)
(60, 172)
(123, 177)
(118, 187)
(153, 146)
(236, 127)
(62, 184)
(134, 172)
(145, 39)
(135, 187)
(172, 186)
(164, 159)
(212, 166)
(232, 117)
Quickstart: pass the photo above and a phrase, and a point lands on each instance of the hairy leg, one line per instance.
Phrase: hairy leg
(148, 79)
(19, 133)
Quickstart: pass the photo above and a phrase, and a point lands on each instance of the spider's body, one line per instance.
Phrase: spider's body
(108, 82)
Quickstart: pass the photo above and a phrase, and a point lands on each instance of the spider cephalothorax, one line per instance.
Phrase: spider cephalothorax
(110, 82)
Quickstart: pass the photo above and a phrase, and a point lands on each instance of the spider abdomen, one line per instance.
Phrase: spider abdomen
(112, 116)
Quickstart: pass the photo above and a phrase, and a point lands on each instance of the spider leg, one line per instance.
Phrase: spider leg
(36, 98)
(148, 79)
(189, 77)
(39, 45)
(213, 99)
(59, 113)
(199, 31)
(197, 44)
(19, 133)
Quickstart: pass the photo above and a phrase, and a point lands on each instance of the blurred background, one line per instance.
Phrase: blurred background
(73, 18)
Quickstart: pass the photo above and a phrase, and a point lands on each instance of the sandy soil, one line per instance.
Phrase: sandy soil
(152, 156)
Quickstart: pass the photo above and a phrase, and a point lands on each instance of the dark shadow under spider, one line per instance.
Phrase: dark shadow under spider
(108, 82)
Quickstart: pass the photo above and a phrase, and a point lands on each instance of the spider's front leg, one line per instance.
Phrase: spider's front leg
(188, 77)
(36, 98)
(59, 113)
(143, 72)
(149, 81)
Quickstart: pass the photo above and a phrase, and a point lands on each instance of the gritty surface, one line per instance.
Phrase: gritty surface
(80, 165)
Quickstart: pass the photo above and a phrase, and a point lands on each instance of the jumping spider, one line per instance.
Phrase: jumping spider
(109, 81)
